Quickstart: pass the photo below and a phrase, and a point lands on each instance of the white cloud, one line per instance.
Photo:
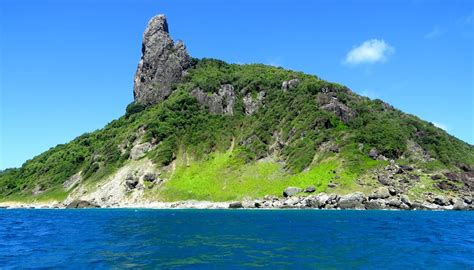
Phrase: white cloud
(435, 33)
(441, 126)
(371, 51)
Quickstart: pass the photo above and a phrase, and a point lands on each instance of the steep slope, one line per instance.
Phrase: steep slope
(208, 130)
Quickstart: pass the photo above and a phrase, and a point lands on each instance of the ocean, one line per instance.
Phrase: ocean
(235, 239)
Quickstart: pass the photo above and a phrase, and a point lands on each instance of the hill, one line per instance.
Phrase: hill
(203, 129)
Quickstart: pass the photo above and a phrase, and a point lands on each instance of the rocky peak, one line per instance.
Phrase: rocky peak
(162, 63)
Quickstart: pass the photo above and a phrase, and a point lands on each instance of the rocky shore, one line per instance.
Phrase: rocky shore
(293, 198)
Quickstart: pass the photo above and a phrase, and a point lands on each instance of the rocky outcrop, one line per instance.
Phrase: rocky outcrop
(291, 191)
(81, 204)
(340, 110)
(251, 105)
(291, 84)
(221, 102)
(352, 201)
(162, 63)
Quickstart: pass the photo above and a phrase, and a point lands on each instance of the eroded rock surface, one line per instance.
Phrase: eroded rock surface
(162, 64)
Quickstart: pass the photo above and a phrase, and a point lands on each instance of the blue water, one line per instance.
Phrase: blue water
(236, 239)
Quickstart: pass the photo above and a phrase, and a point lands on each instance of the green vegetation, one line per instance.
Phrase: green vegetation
(291, 127)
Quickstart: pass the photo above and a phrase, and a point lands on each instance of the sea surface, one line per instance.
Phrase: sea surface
(236, 239)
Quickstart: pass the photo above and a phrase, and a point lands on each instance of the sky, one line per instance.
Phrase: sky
(67, 67)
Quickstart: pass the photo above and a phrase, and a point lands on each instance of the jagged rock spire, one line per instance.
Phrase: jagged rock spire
(162, 63)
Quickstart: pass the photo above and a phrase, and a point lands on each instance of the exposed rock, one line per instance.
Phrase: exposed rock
(458, 204)
(236, 205)
(149, 177)
(375, 204)
(384, 180)
(162, 63)
(221, 102)
(436, 177)
(81, 204)
(291, 191)
(340, 110)
(352, 201)
(318, 201)
(373, 153)
(131, 181)
(291, 84)
(37, 190)
(446, 185)
(380, 193)
(310, 189)
(440, 200)
(394, 202)
(140, 150)
(404, 198)
(252, 105)
(72, 181)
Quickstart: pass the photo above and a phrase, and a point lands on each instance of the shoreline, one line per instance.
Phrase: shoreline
(275, 204)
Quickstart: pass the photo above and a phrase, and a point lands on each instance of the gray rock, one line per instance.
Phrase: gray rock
(310, 189)
(436, 177)
(352, 201)
(131, 183)
(384, 180)
(291, 84)
(404, 198)
(394, 202)
(81, 204)
(221, 102)
(375, 204)
(291, 191)
(318, 201)
(140, 150)
(380, 193)
(72, 181)
(373, 153)
(340, 110)
(162, 63)
(251, 105)
(149, 177)
(458, 204)
(440, 200)
(236, 205)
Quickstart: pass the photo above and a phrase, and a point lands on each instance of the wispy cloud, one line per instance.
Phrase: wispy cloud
(368, 93)
(435, 33)
(441, 126)
(371, 51)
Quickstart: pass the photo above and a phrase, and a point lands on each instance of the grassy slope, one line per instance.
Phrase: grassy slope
(220, 170)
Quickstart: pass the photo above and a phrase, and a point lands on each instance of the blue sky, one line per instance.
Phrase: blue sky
(66, 67)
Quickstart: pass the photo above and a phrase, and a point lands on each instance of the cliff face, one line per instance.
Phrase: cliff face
(162, 63)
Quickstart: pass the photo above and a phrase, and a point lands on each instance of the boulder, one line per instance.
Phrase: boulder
(162, 63)
(373, 153)
(291, 84)
(81, 204)
(310, 189)
(318, 201)
(436, 177)
(394, 202)
(291, 191)
(149, 177)
(352, 201)
(131, 183)
(458, 204)
(380, 193)
(440, 200)
(384, 180)
(375, 204)
(235, 205)
(404, 198)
